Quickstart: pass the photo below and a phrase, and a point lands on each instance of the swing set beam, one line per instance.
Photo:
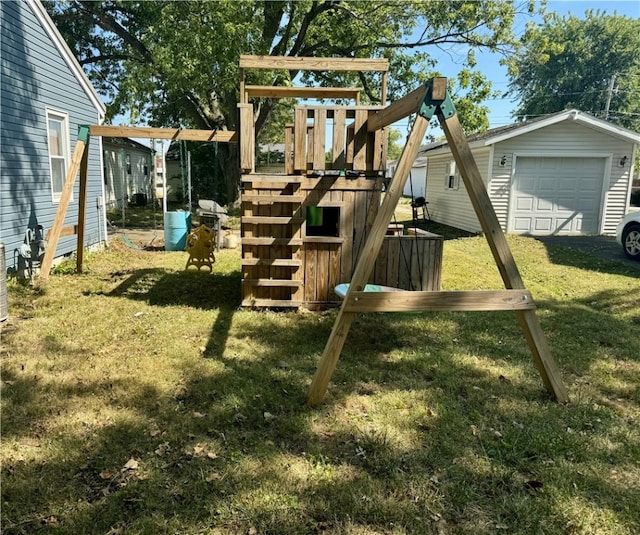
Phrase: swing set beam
(79, 163)
(436, 100)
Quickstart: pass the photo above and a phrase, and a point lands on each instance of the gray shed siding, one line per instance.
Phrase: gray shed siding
(36, 78)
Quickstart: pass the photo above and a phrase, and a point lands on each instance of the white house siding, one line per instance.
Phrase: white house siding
(36, 77)
(417, 180)
(118, 183)
(453, 207)
(568, 139)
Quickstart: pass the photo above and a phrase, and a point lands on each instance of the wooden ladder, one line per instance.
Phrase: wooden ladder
(271, 223)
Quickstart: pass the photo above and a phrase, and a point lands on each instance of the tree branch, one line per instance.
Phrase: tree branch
(109, 23)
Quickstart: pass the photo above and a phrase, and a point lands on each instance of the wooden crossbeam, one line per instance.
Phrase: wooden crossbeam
(270, 91)
(460, 301)
(186, 134)
(399, 109)
(69, 230)
(313, 64)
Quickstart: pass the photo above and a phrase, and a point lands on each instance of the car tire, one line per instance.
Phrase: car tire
(631, 241)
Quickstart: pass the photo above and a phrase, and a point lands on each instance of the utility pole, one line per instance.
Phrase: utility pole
(609, 96)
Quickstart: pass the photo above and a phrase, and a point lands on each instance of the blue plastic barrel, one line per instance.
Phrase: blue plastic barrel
(177, 226)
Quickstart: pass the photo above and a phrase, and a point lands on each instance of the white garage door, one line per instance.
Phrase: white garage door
(556, 196)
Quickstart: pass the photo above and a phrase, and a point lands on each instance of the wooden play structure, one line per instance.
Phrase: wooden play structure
(303, 230)
(324, 221)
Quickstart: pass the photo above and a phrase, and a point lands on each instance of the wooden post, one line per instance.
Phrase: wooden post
(243, 94)
(365, 264)
(82, 207)
(501, 253)
(247, 138)
(65, 197)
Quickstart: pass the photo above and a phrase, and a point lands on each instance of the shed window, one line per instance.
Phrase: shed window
(323, 221)
(58, 142)
(452, 177)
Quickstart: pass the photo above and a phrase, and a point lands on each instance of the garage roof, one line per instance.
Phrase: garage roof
(502, 133)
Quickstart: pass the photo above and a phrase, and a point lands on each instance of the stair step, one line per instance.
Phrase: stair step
(273, 282)
(267, 220)
(274, 262)
(271, 199)
(271, 241)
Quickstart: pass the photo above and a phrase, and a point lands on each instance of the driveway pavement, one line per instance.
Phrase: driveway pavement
(604, 247)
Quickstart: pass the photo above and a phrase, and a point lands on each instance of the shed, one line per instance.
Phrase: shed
(416, 185)
(128, 172)
(567, 173)
(45, 96)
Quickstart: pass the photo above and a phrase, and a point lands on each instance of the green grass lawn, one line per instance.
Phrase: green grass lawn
(138, 398)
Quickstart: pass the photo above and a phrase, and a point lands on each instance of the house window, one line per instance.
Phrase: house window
(127, 160)
(58, 141)
(452, 177)
(323, 221)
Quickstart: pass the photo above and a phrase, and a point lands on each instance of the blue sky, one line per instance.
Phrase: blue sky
(449, 63)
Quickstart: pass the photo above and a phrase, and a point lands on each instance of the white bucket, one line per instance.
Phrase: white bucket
(230, 241)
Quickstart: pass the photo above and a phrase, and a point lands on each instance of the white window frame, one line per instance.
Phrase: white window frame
(451, 176)
(63, 118)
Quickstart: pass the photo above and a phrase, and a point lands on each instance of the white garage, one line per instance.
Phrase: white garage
(559, 196)
(567, 173)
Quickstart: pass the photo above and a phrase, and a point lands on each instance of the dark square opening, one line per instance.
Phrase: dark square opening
(323, 221)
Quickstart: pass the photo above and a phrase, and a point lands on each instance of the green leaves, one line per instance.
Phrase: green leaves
(570, 62)
(169, 63)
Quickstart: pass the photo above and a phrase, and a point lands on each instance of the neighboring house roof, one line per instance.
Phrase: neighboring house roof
(502, 133)
(420, 161)
(66, 53)
(126, 142)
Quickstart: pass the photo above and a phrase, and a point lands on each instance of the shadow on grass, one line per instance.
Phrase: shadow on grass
(420, 432)
(197, 289)
(594, 253)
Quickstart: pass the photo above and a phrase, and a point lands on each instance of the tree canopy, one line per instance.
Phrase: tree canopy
(167, 63)
(591, 64)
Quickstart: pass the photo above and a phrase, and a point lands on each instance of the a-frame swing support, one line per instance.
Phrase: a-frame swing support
(433, 98)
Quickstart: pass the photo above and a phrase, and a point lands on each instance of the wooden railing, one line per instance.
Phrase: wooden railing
(322, 138)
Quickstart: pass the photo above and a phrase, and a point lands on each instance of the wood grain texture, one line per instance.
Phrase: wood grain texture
(312, 64)
(82, 207)
(335, 343)
(502, 255)
(461, 301)
(186, 134)
(271, 91)
(65, 197)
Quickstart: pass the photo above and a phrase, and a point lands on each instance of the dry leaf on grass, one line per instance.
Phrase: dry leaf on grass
(132, 464)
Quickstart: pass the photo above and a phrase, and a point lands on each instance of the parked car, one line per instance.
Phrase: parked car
(628, 235)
